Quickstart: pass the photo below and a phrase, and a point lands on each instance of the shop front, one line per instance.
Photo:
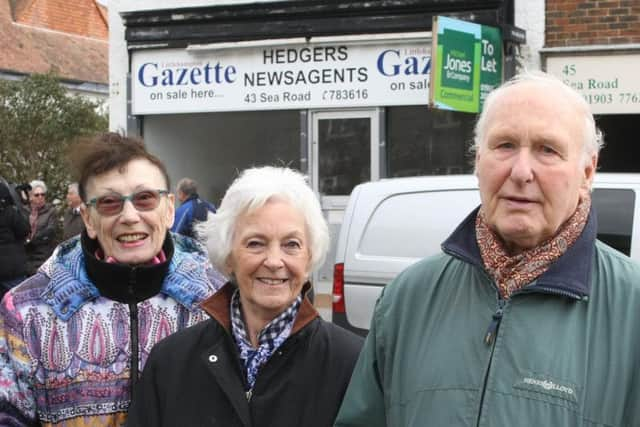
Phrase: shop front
(338, 90)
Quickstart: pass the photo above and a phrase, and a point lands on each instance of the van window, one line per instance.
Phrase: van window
(615, 209)
(433, 217)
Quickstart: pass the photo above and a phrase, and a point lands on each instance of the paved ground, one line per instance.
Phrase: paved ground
(323, 305)
(323, 298)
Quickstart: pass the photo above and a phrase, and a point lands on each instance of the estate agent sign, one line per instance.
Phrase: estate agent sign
(467, 66)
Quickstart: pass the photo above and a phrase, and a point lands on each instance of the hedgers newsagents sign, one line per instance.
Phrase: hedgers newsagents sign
(468, 64)
(281, 77)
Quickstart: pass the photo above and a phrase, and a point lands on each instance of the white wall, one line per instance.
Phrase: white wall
(118, 68)
(529, 15)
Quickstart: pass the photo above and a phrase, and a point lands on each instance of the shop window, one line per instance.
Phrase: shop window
(214, 147)
(621, 151)
(425, 141)
(344, 154)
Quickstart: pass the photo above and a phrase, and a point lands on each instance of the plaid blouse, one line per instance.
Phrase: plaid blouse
(269, 339)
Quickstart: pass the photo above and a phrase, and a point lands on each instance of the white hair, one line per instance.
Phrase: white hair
(73, 187)
(252, 190)
(593, 137)
(36, 183)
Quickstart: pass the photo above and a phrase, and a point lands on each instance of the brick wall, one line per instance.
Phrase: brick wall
(587, 22)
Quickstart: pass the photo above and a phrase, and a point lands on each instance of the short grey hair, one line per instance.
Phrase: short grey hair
(36, 183)
(73, 187)
(594, 140)
(252, 190)
(188, 186)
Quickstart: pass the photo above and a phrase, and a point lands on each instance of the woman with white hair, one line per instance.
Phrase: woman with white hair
(265, 358)
(43, 221)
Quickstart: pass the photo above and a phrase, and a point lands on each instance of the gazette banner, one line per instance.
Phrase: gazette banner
(297, 76)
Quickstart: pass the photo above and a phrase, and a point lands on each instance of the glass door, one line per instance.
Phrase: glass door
(345, 151)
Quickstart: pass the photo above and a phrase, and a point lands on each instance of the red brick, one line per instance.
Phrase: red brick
(608, 4)
(620, 11)
(82, 17)
(619, 40)
(619, 26)
(28, 48)
(597, 12)
(630, 18)
(607, 19)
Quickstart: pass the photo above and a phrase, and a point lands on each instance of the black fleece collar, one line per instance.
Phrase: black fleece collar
(125, 283)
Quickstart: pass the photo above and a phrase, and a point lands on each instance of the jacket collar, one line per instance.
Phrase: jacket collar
(570, 275)
(121, 282)
(188, 277)
(191, 197)
(218, 307)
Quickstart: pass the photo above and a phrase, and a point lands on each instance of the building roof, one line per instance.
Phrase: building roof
(38, 36)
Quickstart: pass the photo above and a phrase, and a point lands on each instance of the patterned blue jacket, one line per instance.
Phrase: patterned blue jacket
(66, 333)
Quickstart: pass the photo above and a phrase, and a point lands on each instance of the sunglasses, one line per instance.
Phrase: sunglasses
(112, 204)
(38, 194)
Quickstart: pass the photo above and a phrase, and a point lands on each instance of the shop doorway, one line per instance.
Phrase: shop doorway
(346, 149)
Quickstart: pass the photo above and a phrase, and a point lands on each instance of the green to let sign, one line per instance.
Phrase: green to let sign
(468, 64)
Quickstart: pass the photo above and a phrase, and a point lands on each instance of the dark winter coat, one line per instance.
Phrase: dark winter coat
(445, 350)
(74, 336)
(14, 228)
(42, 244)
(194, 378)
(71, 223)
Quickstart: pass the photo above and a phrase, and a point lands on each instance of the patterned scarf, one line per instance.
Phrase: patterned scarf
(269, 339)
(511, 273)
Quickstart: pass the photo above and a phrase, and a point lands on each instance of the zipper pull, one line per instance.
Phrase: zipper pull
(492, 331)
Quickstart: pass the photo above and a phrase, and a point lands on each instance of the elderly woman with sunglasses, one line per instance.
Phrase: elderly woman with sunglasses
(265, 358)
(75, 336)
(41, 240)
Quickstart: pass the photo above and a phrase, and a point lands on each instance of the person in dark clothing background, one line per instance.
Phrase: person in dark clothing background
(72, 222)
(43, 221)
(14, 229)
(193, 209)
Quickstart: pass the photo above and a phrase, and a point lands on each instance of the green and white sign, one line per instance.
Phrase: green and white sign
(468, 64)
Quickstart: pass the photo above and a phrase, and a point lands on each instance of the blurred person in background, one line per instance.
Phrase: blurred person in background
(192, 210)
(14, 229)
(43, 222)
(75, 336)
(72, 221)
(265, 357)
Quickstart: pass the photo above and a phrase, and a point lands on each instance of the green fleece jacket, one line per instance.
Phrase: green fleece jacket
(445, 351)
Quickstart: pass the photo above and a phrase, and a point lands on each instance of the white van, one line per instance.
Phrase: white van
(392, 223)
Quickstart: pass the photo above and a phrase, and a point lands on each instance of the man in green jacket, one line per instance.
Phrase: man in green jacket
(525, 319)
